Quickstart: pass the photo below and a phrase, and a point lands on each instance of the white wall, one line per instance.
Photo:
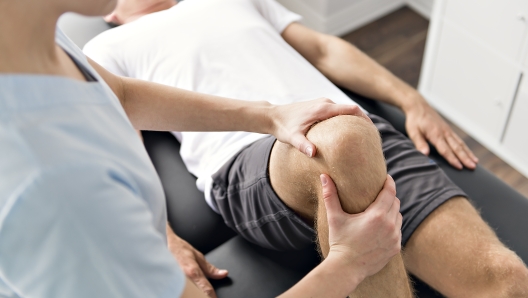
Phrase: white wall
(423, 7)
(341, 16)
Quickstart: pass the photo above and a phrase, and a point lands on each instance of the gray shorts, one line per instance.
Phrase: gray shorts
(249, 205)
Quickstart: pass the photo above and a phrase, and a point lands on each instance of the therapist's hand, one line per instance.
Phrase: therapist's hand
(291, 122)
(364, 242)
(194, 264)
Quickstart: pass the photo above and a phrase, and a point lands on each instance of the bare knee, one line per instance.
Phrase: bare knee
(349, 150)
(505, 274)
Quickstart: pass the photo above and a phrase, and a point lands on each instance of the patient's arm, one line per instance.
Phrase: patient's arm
(152, 106)
(347, 66)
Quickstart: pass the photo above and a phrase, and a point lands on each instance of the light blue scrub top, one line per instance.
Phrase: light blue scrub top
(82, 211)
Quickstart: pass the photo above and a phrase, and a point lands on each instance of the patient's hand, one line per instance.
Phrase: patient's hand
(424, 124)
(292, 121)
(193, 263)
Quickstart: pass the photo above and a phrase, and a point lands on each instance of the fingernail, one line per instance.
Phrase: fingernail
(222, 271)
(324, 181)
(309, 151)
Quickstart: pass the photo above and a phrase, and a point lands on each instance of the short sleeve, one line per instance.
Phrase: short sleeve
(84, 231)
(100, 51)
(276, 14)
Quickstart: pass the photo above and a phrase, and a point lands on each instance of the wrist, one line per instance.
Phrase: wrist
(412, 102)
(262, 117)
(350, 274)
(272, 115)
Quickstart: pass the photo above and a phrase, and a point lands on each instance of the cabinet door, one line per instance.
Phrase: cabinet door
(501, 24)
(516, 138)
(472, 82)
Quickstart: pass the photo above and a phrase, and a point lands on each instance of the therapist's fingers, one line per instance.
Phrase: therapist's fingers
(386, 197)
(331, 199)
(302, 144)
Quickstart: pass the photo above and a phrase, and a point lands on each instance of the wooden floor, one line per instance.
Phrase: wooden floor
(397, 41)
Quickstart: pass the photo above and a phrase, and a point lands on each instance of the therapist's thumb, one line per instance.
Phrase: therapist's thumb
(331, 200)
(302, 144)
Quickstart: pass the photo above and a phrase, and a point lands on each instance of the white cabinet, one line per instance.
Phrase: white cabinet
(473, 81)
(516, 137)
(500, 24)
(474, 61)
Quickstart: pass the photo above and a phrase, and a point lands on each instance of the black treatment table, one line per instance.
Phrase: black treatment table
(257, 272)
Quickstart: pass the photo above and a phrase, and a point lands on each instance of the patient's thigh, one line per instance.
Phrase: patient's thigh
(457, 253)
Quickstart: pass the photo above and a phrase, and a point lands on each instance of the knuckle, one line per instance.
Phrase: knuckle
(392, 190)
(391, 227)
(377, 218)
(193, 272)
(199, 255)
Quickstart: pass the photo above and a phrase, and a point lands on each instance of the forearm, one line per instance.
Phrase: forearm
(153, 106)
(347, 66)
(329, 279)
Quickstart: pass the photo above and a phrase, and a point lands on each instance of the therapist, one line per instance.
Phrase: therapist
(82, 211)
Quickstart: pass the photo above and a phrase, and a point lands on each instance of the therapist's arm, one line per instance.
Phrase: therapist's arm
(152, 106)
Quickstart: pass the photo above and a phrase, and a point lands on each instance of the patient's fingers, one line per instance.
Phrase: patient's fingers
(195, 273)
(209, 269)
(461, 150)
(419, 140)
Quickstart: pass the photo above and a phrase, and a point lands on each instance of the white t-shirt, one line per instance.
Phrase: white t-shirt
(230, 48)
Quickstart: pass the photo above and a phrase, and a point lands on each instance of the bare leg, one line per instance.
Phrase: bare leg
(458, 254)
(349, 150)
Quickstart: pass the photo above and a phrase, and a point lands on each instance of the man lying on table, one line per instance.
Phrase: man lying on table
(270, 193)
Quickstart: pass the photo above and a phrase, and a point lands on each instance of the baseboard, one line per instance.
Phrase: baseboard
(346, 20)
(423, 7)
(360, 14)
(311, 18)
